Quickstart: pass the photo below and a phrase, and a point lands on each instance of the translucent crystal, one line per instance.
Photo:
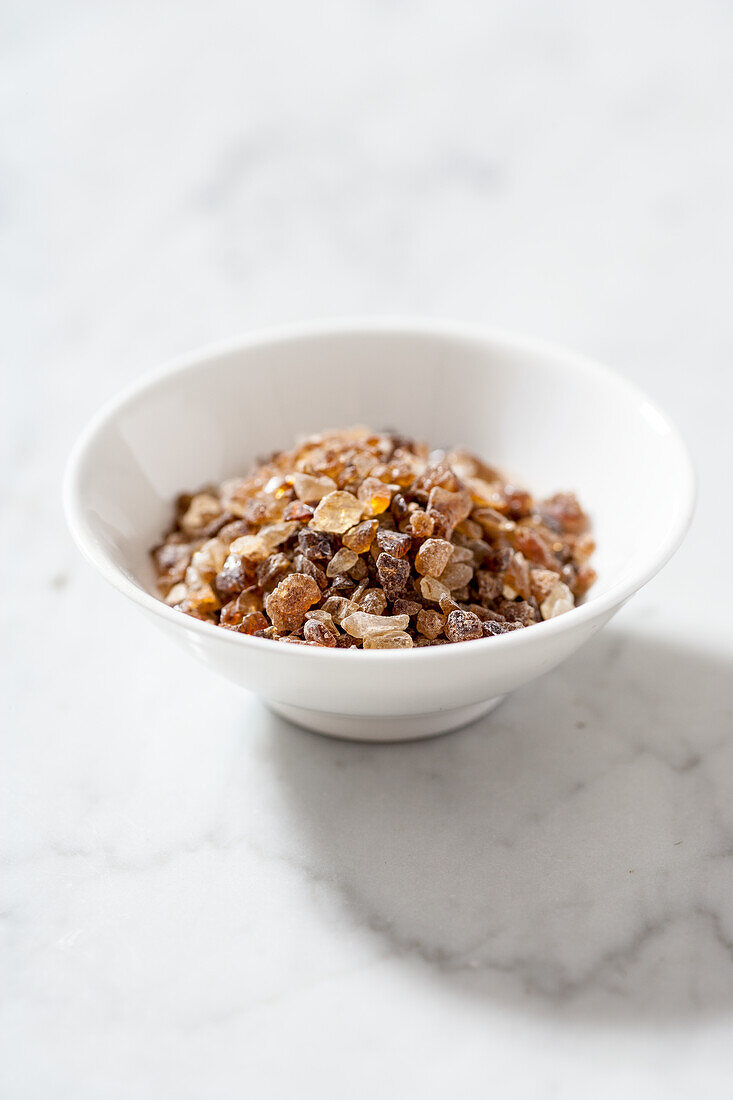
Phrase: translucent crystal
(432, 589)
(204, 508)
(233, 612)
(534, 548)
(342, 561)
(421, 524)
(581, 547)
(438, 474)
(287, 605)
(264, 510)
(393, 574)
(565, 510)
(298, 511)
(542, 582)
(519, 611)
(462, 463)
(489, 585)
(569, 574)
(448, 603)
(373, 601)
(210, 558)
(359, 570)
(486, 493)
(493, 522)
(341, 585)
(360, 589)
(312, 489)
(317, 633)
(456, 575)
(362, 463)
(176, 594)
(359, 623)
(403, 472)
(233, 576)
(172, 561)
(336, 513)
(338, 608)
(234, 530)
(200, 596)
(461, 554)
(498, 559)
(480, 549)
(315, 545)
(252, 547)
(272, 570)
(394, 640)
(433, 556)
(469, 529)
(322, 617)
(361, 537)
(252, 622)
(190, 607)
(587, 576)
(519, 501)
(441, 527)
(237, 495)
(302, 564)
(406, 607)
(375, 496)
(430, 623)
(394, 543)
(454, 507)
(559, 600)
(463, 626)
(275, 534)
(492, 628)
(517, 579)
(400, 511)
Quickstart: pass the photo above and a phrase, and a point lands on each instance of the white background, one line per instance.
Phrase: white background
(198, 900)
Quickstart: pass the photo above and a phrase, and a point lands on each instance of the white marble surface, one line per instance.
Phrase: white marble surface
(197, 900)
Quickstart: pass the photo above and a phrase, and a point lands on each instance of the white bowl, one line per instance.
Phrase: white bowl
(549, 417)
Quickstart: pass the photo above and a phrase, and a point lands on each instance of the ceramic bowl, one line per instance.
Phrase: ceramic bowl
(550, 418)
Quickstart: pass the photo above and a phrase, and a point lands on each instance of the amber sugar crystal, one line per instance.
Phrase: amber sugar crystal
(363, 539)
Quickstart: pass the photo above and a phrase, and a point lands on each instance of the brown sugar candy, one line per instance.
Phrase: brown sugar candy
(463, 626)
(430, 623)
(363, 539)
(287, 605)
(393, 542)
(336, 513)
(433, 556)
(375, 496)
(318, 633)
(360, 538)
(393, 573)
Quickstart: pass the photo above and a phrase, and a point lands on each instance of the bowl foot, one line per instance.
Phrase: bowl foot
(406, 727)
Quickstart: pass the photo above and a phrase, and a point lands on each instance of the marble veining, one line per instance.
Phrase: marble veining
(196, 899)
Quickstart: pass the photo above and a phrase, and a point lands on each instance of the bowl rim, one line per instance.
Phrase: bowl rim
(595, 607)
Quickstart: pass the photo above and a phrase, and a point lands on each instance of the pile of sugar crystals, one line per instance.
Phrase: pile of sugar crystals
(366, 539)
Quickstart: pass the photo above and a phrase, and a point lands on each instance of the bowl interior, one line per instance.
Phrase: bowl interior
(546, 417)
